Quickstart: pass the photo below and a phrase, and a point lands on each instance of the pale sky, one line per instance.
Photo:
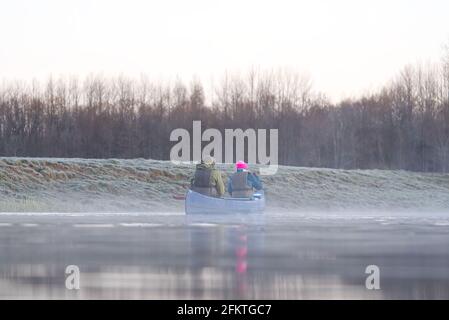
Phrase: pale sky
(346, 46)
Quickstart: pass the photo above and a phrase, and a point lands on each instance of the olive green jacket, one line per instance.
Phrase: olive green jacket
(216, 179)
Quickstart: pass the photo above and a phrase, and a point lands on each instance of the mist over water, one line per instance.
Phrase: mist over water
(298, 255)
(359, 120)
(122, 223)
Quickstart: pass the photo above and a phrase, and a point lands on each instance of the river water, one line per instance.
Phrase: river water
(272, 256)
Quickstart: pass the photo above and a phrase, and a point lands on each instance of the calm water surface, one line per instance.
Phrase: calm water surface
(271, 256)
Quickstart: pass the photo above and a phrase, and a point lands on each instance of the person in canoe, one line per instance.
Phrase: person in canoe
(243, 182)
(207, 179)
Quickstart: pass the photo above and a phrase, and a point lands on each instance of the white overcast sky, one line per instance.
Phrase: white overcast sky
(346, 46)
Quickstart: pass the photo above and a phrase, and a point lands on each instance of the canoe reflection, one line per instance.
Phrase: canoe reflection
(233, 257)
(224, 250)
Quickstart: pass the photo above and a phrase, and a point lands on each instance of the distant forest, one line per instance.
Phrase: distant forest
(404, 125)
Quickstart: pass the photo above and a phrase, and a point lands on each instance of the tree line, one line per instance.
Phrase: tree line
(404, 125)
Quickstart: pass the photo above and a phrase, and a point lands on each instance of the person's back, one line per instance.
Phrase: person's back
(243, 183)
(207, 179)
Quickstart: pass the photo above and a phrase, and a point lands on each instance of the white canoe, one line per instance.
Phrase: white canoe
(197, 203)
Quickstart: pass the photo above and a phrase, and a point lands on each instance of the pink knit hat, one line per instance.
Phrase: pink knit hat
(241, 165)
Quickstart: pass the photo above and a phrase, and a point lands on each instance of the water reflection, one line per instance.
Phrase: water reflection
(233, 257)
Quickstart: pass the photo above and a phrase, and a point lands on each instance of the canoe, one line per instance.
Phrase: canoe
(197, 203)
